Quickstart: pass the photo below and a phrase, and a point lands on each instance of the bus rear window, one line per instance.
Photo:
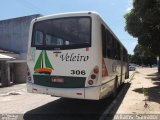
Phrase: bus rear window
(62, 33)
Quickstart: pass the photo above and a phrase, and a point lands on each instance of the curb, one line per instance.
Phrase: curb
(107, 111)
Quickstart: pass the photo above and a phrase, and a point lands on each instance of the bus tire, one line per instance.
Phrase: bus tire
(126, 75)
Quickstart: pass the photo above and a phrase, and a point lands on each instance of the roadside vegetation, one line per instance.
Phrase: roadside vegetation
(145, 93)
(143, 23)
(142, 56)
(133, 75)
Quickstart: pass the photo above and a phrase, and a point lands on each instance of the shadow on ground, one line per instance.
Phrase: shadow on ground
(152, 92)
(71, 109)
(68, 109)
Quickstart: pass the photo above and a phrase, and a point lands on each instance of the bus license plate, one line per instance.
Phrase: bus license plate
(58, 80)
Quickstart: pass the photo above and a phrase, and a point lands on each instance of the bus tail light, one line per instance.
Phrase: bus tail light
(29, 78)
(96, 70)
(104, 69)
(93, 76)
(90, 82)
(92, 79)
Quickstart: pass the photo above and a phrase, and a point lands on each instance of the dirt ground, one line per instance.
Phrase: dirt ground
(143, 96)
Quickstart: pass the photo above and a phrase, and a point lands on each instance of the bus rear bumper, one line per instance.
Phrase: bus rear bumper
(91, 93)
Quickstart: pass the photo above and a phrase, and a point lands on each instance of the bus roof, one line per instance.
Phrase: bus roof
(67, 14)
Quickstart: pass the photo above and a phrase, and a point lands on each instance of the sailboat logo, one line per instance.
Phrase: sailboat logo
(43, 64)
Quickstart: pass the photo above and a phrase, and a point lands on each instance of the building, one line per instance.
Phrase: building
(13, 49)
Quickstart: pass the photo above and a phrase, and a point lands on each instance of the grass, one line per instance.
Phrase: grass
(137, 71)
(132, 76)
(145, 93)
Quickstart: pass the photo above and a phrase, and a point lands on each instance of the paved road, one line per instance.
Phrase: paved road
(45, 107)
(15, 100)
(12, 88)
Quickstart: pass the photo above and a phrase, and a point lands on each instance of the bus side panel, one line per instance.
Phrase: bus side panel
(114, 65)
(108, 81)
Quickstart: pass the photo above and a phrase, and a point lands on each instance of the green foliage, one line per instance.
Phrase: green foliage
(145, 91)
(132, 27)
(143, 22)
(142, 56)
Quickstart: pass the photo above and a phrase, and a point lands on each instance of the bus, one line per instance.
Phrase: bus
(75, 55)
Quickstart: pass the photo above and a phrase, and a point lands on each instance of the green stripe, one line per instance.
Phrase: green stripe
(38, 63)
(47, 62)
(69, 82)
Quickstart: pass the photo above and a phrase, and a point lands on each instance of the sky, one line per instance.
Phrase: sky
(111, 11)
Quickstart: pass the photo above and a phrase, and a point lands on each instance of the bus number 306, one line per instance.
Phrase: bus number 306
(78, 72)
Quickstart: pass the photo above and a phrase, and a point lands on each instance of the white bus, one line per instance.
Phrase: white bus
(75, 55)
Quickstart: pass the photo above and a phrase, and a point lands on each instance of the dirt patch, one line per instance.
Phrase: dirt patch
(143, 97)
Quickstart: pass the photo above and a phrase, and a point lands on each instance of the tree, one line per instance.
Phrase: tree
(142, 56)
(143, 22)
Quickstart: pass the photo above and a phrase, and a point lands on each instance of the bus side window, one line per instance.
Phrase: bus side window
(118, 51)
(116, 54)
(124, 55)
(103, 40)
(108, 44)
(114, 48)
